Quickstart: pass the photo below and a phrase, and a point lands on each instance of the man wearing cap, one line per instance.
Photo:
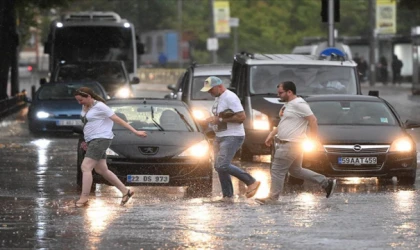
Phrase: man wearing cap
(230, 135)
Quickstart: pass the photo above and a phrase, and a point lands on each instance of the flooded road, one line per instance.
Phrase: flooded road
(38, 189)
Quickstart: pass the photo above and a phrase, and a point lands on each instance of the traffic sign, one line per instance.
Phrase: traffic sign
(212, 44)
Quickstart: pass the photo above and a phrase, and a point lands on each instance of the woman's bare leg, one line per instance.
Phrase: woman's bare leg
(102, 169)
(87, 166)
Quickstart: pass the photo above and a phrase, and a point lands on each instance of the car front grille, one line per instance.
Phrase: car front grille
(349, 149)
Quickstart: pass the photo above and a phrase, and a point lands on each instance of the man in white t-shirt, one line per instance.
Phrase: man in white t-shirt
(295, 117)
(230, 135)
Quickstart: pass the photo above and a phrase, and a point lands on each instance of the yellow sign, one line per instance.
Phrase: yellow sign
(221, 19)
(386, 16)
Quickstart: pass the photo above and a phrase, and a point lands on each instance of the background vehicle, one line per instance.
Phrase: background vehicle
(255, 77)
(315, 49)
(111, 74)
(54, 108)
(93, 36)
(174, 153)
(190, 83)
(361, 136)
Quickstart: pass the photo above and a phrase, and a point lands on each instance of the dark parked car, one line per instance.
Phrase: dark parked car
(174, 153)
(54, 108)
(361, 136)
(111, 74)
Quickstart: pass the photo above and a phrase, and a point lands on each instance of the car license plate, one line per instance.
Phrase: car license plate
(148, 178)
(69, 122)
(357, 160)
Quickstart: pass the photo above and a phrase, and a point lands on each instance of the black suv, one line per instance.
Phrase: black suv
(255, 77)
(190, 83)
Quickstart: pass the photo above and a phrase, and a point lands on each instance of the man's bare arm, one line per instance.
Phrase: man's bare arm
(313, 126)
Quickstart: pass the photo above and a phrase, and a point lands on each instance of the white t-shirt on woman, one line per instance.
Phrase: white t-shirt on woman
(98, 125)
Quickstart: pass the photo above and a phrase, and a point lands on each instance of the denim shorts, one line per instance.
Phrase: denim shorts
(96, 148)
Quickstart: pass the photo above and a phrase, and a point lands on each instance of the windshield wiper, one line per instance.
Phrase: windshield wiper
(153, 119)
(184, 120)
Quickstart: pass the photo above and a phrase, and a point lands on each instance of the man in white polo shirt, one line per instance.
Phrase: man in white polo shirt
(295, 118)
(230, 135)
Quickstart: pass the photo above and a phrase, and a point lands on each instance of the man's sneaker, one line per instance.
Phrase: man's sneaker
(329, 189)
(267, 201)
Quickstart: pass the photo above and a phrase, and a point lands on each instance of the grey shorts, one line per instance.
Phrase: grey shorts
(96, 148)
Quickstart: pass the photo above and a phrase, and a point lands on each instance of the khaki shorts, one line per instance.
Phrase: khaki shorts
(96, 148)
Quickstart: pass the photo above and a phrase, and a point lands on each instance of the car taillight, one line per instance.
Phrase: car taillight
(30, 68)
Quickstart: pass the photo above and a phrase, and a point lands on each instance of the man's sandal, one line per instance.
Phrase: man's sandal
(126, 197)
(80, 204)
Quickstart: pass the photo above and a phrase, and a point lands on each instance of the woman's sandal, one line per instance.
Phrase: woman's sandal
(80, 204)
(126, 197)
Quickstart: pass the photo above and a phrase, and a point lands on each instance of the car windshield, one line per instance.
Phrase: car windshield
(65, 91)
(140, 117)
(309, 79)
(352, 113)
(105, 73)
(198, 83)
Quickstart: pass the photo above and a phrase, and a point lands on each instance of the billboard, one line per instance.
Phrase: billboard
(386, 16)
(221, 17)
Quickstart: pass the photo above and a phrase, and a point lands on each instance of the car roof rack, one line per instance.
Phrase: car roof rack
(92, 16)
(251, 55)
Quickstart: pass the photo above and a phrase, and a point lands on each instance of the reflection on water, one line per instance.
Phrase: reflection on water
(406, 221)
(404, 201)
(200, 221)
(308, 203)
(42, 147)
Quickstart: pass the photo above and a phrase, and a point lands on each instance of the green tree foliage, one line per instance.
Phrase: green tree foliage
(266, 26)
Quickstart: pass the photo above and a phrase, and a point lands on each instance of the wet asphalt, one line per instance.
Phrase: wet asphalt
(38, 190)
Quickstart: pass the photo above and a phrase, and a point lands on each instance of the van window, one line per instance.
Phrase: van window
(309, 79)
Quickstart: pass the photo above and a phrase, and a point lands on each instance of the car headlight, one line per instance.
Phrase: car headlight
(310, 146)
(402, 145)
(197, 150)
(260, 120)
(111, 152)
(123, 93)
(43, 114)
(200, 114)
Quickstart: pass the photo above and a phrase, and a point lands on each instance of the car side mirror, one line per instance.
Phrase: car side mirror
(42, 81)
(171, 87)
(135, 80)
(411, 124)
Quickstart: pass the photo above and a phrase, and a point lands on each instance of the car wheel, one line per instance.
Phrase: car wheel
(200, 189)
(406, 180)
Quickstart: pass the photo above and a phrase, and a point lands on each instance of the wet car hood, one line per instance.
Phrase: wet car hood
(163, 144)
(359, 134)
